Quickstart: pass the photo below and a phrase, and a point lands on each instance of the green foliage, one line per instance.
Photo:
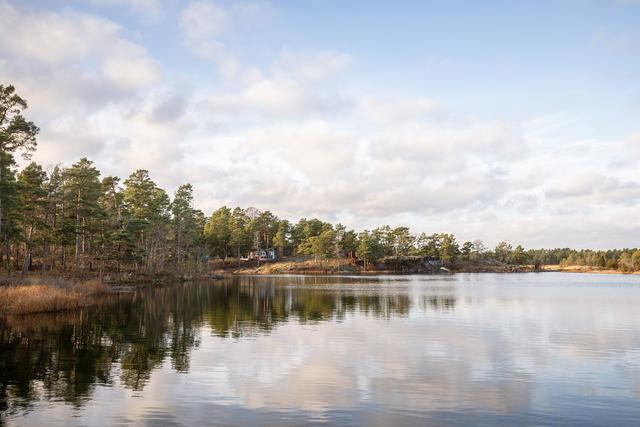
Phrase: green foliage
(81, 190)
(402, 241)
(370, 248)
(239, 231)
(625, 263)
(466, 250)
(322, 245)
(217, 232)
(625, 260)
(31, 185)
(186, 229)
(16, 132)
(282, 238)
(304, 230)
(428, 245)
(263, 227)
(503, 252)
(144, 200)
(449, 250)
(349, 242)
(519, 256)
(240, 239)
(10, 207)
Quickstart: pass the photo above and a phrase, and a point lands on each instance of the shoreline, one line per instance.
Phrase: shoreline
(397, 273)
(586, 270)
(298, 268)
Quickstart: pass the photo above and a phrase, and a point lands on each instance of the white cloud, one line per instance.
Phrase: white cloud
(274, 98)
(633, 145)
(387, 111)
(311, 66)
(256, 13)
(74, 57)
(203, 24)
(594, 188)
(78, 72)
(148, 10)
(442, 147)
(201, 20)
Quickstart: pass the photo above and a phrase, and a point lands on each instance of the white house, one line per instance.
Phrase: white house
(264, 254)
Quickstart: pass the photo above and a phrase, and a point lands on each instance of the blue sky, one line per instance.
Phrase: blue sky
(494, 120)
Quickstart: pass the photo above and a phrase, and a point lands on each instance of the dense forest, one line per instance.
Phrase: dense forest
(73, 219)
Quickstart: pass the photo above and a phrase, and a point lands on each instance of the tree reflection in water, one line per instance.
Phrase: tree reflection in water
(64, 356)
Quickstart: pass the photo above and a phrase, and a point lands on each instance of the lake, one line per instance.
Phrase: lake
(465, 349)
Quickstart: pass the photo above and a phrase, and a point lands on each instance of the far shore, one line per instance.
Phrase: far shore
(257, 272)
(347, 267)
(584, 269)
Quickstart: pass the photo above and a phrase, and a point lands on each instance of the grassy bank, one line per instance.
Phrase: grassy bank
(584, 269)
(46, 295)
(350, 266)
(301, 267)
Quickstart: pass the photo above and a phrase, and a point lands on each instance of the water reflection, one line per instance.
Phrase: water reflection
(477, 349)
(63, 356)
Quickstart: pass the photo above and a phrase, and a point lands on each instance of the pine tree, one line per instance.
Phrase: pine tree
(32, 191)
(239, 235)
(148, 206)
(218, 232)
(281, 240)
(10, 203)
(16, 134)
(187, 229)
(81, 190)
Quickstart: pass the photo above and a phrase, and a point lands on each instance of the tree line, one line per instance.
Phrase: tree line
(71, 219)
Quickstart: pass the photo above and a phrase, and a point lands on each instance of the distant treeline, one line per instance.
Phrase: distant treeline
(71, 219)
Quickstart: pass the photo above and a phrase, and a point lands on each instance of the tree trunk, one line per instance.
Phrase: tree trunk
(27, 261)
(84, 236)
(7, 253)
(16, 259)
(45, 255)
(27, 252)
(1, 198)
(179, 244)
(78, 241)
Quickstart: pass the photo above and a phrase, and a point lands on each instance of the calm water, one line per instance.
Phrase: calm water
(544, 349)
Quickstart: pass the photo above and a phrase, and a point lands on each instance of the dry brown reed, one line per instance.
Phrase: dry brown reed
(47, 296)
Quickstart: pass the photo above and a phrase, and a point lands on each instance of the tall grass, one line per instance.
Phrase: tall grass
(26, 298)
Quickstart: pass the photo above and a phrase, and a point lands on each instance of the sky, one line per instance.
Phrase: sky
(493, 120)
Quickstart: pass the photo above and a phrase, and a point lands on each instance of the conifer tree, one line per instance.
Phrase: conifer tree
(32, 191)
(17, 134)
(81, 191)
